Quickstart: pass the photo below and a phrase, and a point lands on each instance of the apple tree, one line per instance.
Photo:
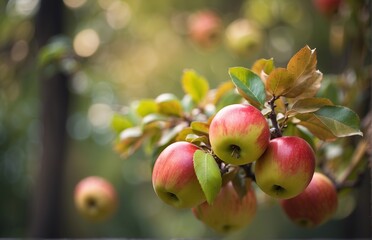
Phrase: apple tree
(266, 129)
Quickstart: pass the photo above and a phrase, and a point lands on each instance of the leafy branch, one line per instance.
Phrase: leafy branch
(156, 123)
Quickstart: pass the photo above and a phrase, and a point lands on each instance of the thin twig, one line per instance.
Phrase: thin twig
(277, 132)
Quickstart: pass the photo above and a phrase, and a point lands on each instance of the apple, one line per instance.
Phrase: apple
(243, 37)
(204, 28)
(229, 211)
(239, 134)
(327, 7)
(315, 205)
(286, 167)
(95, 198)
(174, 179)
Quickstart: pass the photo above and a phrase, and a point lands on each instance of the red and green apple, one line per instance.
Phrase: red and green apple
(95, 198)
(229, 211)
(315, 205)
(174, 178)
(286, 167)
(239, 134)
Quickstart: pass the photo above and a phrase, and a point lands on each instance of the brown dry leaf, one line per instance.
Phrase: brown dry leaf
(307, 79)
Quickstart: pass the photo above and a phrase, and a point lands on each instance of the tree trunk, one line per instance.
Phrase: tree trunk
(46, 206)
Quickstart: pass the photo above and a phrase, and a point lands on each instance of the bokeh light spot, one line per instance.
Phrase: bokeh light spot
(118, 14)
(86, 42)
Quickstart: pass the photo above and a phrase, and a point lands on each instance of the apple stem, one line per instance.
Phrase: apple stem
(248, 171)
(277, 132)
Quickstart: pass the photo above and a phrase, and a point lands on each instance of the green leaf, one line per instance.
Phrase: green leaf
(120, 122)
(228, 98)
(279, 82)
(182, 135)
(194, 85)
(315, 126)
(307, 79)
(308, 105)
(330, 122)
(208, 174)
(130, 140)
(169, 104)
(54, 50)
(200, 127)
(221, 91)
(153, 117)
(196, 139)
(249, 85)
(154, 121)
(145, 107)
(169, 135)
(341, 120)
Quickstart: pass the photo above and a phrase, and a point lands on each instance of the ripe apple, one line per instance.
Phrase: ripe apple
(327, 7)
(239, 134)
(229, 212)
(315, 205)
(204, 28)
(286, 167)
(174, 178)
(243, 37)
(95, 198)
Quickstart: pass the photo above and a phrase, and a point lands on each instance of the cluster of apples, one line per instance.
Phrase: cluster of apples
(283, 168)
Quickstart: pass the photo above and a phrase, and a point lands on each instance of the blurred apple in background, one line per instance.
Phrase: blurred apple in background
(204, 28)
(327, 7)
(243, 37)
(286, 167)
(315, 205)
(174, 178)
(95, 198)
(229, 211)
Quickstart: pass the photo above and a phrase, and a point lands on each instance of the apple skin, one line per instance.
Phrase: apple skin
(286, 167)
(239, 134)
(204, 28)
(243, 37)
(95, 198)
(229, 212)
(327, 7)
(174, 179)
(315, 205)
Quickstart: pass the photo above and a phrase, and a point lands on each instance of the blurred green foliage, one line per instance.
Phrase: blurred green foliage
(120, 51)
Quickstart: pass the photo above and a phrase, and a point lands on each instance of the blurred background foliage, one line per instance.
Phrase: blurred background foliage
(116, 52)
